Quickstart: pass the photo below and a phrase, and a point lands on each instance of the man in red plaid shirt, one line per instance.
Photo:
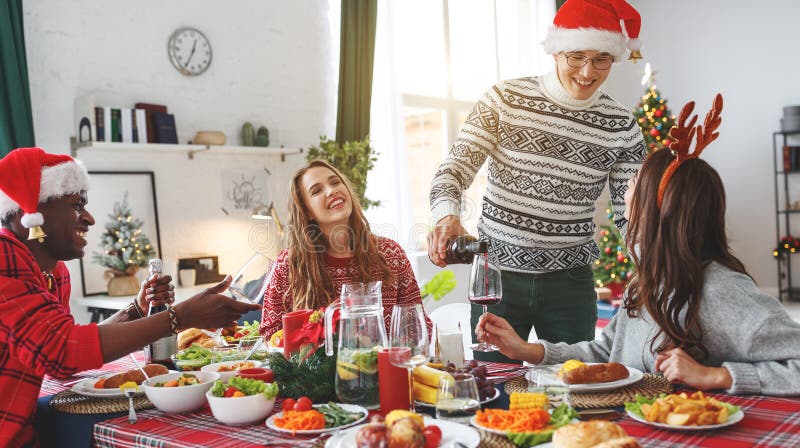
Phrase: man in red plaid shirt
(44, 222)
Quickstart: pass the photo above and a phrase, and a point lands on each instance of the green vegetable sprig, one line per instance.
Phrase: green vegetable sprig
(336, 416)
(312, 377)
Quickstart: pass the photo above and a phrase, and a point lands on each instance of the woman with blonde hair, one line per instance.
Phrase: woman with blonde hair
(331, 244)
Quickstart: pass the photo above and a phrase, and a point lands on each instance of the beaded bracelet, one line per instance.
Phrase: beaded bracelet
(173, 320)
(130, 311)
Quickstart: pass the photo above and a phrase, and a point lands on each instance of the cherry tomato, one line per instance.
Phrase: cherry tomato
(433, 435)
(238, 335)
(303, 404)
(288, 404)
(230, 391)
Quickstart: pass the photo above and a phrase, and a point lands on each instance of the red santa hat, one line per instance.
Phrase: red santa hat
(594, 25)
(30, 176)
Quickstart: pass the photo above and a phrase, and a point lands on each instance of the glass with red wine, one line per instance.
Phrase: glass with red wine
(485, 288)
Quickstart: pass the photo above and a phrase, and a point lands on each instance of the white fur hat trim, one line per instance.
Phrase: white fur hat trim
(59, 180)
(575, 39)
(32, 220)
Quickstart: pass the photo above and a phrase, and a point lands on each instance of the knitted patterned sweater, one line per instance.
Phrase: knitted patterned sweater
(403, 290)
(550, 156)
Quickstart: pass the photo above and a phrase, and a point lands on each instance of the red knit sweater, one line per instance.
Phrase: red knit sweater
(37, 336)
(404, 289)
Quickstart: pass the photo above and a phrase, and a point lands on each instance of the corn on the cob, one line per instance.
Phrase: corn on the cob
(527, 400)
(429, 376)
(424, 393)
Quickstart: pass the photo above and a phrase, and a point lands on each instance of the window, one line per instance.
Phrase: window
(446, 54)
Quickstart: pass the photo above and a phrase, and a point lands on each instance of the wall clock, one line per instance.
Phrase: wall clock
(189, 51)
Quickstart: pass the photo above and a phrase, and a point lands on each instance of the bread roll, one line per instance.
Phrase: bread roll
(596, 373)
(191, 336)
(155, 370)
(622, 442)
(586, 434)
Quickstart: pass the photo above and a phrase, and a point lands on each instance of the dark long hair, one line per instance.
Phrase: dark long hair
(310, 285)
(675, 245)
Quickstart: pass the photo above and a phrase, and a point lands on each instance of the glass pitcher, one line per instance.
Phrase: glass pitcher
(361, 333)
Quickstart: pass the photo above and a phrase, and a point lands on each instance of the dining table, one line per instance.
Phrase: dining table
(767, 422)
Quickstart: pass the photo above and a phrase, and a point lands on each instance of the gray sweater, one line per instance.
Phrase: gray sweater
(745, 330)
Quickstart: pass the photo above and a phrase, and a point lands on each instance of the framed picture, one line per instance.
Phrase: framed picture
(107, 188)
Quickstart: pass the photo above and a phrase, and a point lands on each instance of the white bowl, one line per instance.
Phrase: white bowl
(224, 376)
(179, 399)
(240, 410)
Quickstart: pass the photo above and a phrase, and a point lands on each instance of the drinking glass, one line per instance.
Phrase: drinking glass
(457, 398)
(408, 341)
(485, 288)
(248, 285)
(542, 381)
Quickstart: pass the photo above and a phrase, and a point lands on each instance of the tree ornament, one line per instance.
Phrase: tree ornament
(659, 113)
(653, 132)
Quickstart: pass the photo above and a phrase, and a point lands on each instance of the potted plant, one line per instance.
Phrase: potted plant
(354, 159)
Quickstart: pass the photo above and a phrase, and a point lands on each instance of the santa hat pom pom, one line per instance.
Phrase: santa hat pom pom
(30, 220)
(634, 44)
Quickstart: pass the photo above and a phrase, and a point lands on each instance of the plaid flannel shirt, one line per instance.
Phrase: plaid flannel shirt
(38, 336)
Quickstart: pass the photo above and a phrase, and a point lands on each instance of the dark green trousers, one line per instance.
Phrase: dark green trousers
(561, 306)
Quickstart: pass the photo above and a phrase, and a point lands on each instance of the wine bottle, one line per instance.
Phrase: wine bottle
(463, 248)
(160, 350)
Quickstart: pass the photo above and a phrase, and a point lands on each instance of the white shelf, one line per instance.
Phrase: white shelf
(189, 150)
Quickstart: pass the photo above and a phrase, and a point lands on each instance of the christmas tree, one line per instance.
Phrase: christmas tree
(125, 247)
(653, 115)
(614, 265)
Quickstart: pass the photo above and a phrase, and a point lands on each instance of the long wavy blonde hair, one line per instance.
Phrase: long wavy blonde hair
(309, 284)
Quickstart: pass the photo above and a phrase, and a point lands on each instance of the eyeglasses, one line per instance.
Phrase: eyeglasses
(598, 63)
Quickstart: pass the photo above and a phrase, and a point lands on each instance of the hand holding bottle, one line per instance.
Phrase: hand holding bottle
(156, 289)
(447, 229)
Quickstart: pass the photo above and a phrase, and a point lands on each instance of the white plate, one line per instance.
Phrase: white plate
(492, 398)
(551, 378)
(86, 388)
(346, 407)
(732, 419)
(451, 432)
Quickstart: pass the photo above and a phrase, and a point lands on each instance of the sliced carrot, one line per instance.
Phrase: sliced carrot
(518, 420)
(300, 420)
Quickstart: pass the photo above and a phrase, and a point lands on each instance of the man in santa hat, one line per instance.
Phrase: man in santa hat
(553, 142)
(44, 219)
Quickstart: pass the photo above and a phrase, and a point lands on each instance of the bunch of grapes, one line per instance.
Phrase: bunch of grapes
(485, 388)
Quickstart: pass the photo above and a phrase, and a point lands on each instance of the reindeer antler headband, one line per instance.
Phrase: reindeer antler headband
(682, 136)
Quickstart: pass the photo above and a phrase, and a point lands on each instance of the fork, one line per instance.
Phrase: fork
(131, 411)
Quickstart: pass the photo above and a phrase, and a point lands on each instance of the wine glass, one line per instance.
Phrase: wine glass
(408, 340)
(457, 398)
(485, 288)
(248, 285)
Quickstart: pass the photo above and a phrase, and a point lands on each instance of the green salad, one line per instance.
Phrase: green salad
(562, 415)
(246, 386)
(193, 358)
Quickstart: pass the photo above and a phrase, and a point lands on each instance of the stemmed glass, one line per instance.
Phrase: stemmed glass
(408, 340)
(485, 288)
(248, 285)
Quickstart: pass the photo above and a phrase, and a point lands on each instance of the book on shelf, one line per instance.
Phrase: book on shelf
(149, 109)
(100, 133)
(791, 158)
(127, 124)
(116, 125)
(141, 125)
(165, 131)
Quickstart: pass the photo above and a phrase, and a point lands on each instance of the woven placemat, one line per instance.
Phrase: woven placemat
(650, 386)
(71, 403)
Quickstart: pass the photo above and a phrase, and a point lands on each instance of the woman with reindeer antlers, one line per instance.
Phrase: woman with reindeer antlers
(691, 310)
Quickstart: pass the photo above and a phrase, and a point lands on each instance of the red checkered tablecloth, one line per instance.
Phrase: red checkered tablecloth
(768, 422)
(52, 386)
